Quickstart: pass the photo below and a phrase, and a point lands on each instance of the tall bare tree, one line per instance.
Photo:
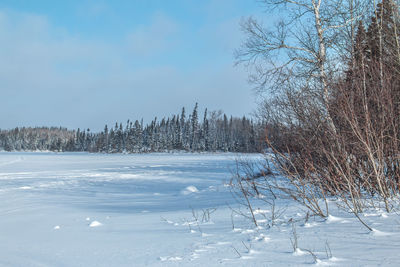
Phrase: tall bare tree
(304, 50)
(331, 68)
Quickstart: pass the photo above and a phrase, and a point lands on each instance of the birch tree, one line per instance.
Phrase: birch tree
(303, 52)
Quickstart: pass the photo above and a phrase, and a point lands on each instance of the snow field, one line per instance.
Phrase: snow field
(166, 210)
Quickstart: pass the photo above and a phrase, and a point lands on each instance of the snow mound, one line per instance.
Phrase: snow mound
(376, 232)
(95, 224)
(189, 190)
(25, 187)
(371, 214)
(310, 225)
(194, 256)
(253, 252)
(248, 231)
(328, 262)
(262, 238)
(299, 252)
(220, 243)
(170, 258)
(205, 235)
(333, 219)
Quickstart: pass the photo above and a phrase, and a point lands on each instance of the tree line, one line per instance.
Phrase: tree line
(214, 131)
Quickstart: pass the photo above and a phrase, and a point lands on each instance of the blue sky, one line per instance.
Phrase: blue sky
(86, 63)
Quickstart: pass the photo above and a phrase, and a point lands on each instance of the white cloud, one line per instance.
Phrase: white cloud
(51, 77)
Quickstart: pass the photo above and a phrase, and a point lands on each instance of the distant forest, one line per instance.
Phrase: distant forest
(213, 132)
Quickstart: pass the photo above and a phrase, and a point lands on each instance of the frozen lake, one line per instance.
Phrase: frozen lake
(49, 200)
(118, 183)
(79, 209)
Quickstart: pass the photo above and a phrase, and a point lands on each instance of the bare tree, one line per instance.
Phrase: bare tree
(300, 55)
(334, 108)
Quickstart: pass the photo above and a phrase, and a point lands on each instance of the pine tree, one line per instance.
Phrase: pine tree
(194, 129)
(106, 146)
(211, 134)
(206, 133)
(182, 139)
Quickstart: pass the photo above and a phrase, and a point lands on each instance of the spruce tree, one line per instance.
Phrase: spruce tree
(194, 128)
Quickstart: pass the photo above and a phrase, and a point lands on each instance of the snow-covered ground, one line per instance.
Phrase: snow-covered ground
(78, 209)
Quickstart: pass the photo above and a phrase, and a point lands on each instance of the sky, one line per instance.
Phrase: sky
(86, 63)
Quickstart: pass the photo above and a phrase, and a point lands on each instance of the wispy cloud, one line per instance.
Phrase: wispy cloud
(155, 37)
(51, 77)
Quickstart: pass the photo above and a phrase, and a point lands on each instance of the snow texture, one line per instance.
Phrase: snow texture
(80, 209)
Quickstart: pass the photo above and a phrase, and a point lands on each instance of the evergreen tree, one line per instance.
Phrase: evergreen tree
(106, 145)
(205, 132)
(211, 134)
(194, 129)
